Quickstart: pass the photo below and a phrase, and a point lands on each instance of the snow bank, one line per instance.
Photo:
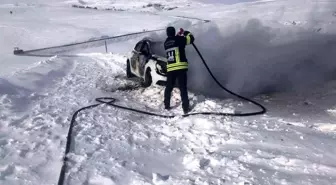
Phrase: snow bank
(35, 109)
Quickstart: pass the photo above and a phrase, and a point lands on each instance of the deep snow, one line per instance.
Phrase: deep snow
(294, 143)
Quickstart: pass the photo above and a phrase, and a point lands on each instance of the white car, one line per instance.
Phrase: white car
(146, 63)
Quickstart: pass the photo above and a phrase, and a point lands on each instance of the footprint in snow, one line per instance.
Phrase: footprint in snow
(158, 178)
(204, 163)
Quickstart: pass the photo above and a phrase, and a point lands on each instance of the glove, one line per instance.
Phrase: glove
(189, 36)
(180, 33)
(185, 33)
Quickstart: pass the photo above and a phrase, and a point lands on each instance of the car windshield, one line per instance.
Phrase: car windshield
(158, 49)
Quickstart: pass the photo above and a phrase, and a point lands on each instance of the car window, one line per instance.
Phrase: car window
(145, 48)
(138, 46)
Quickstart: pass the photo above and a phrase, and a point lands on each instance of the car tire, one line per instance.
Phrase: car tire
(128, 70)
(148, 79)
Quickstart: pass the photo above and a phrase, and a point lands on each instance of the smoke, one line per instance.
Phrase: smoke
(251, 57)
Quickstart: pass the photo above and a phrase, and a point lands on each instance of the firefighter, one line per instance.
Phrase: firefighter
(177, 66)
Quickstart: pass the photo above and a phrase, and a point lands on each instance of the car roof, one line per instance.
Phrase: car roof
(156, 46)
(151, 40)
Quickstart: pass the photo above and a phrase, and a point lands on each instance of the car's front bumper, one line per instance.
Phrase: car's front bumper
(158, 79)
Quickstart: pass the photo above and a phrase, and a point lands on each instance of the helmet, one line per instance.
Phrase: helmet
(170, 31)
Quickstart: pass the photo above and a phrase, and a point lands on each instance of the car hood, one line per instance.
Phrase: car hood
(157, 57)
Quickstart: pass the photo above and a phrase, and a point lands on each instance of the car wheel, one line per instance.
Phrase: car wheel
(128, 70)
(148, 79)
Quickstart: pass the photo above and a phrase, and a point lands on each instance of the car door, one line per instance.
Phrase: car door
(135, 59)
(143, 57)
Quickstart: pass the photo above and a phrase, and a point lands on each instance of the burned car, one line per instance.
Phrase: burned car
(148, 63)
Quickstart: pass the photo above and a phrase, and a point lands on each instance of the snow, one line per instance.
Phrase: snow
(294, 143)
(26, 28)
(142, 6)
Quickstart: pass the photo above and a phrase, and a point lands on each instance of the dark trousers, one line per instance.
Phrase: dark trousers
(181, 76)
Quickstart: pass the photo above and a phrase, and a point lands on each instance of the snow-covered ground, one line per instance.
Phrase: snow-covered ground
(294, 143)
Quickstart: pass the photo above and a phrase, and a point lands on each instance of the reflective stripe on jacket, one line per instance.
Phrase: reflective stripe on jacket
(175, 50)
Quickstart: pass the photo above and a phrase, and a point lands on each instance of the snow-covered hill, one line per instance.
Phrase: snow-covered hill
(142, 5)
(249, 46)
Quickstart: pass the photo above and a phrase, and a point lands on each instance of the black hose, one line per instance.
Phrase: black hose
(262, 111)
(68, 143)
(111, 102)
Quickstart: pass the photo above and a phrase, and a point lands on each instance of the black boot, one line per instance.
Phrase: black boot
(167, 107)
(186, 111)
